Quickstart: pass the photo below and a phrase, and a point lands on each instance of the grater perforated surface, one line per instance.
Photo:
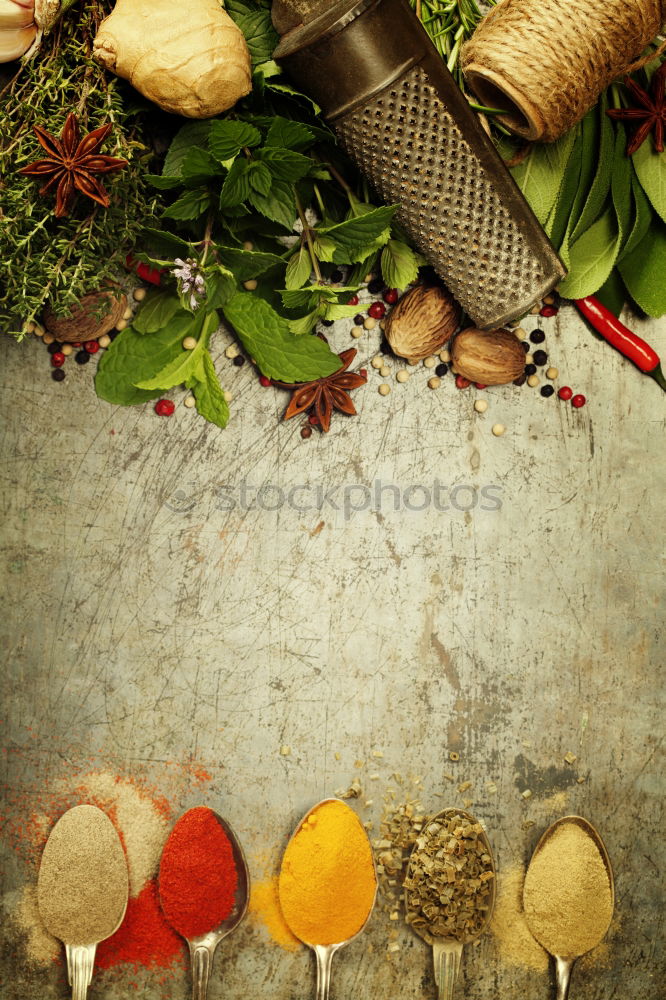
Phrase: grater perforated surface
(410, 147)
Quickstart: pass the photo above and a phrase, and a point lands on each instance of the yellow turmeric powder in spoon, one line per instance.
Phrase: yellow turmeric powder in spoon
(327, 881)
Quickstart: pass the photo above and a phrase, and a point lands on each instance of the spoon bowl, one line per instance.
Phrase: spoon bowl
(564, 963)
(324, 952)
(447, 952)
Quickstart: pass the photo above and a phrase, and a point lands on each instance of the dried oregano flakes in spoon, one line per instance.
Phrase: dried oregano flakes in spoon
(450, 882)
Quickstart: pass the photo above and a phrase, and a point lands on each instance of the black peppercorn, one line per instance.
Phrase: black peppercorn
(327, 322)
(520, 380)
(112, 334)
(82, 357)
(540, 357)
(537, 336)
(525, 346)
(530, 369)
(239, 360)
(336, 277)
(54, 347)
(359, 319)
(376, 285)
(58, 375)
(547, 390)
(441, 369)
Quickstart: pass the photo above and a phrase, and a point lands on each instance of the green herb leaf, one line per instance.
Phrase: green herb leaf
(256, 25)
(220, 286)
(399, 264)
(285, 164)
(650, 169)
(246, 263)
(560, 214)
(305, 324)
(192, 134)
(335, 310)
(227, 138)
(187, 364)
(612, 294)
(190, 205)
(208, 394)
(642, 218)
(155, 311)
(198, 167)
(164, 183)
(260, 178)
(540, 174)
(644, 269)
(286, 134)
(363, 231)
(592, 258)
(299, 269)
(133, 357)
(600, 186)
(267, 338)
(279, 204)
(170, 246)
(236, 188)
(621, 186)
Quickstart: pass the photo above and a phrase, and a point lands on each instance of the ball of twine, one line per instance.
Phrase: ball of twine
(545, 62)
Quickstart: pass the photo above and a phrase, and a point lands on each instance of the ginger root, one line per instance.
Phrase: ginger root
(187, 56)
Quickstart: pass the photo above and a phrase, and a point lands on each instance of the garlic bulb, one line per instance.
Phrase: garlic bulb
(17, 28)
(187, 56)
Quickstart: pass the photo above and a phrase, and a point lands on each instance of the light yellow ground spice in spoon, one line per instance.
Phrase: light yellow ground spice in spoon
(567, 896)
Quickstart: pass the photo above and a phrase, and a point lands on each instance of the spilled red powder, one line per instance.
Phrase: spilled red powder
(144, 938)
(198, 876)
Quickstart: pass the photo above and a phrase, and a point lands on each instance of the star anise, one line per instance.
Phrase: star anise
(652, 112)
(72, 164)
(324, 395)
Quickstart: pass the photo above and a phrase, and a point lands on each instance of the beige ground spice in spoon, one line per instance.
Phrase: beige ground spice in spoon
(568, 892)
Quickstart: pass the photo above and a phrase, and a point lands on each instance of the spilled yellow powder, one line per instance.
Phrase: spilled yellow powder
(41, 946)
(516, 945)
(265, 910)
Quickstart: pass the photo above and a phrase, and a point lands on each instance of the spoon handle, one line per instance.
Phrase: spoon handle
(324, 953)
(201, 957)
(80, 962)
(447, 956)
(563, 967)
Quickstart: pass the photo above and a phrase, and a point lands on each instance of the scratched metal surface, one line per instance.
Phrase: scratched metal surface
(146, 621)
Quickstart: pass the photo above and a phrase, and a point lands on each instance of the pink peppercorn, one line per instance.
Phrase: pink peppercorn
(548, 311)
(164, 407)
(264, 380)
(462, 383)
(91, 346)
(578, 401)
(480, 385)
(565, 392)
(313, 419)
(353, 301)
(377, 310)
(390, 295)
(57, 359)
(364, 372)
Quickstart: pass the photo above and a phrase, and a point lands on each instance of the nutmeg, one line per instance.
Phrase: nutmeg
(94, 316)
(423, 320)
(493, 357)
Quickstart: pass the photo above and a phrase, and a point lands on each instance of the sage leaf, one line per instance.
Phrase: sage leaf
(560, 214)
(155, 311)
(621, 186)
(650, 169)
(133, 357)
(267, 338)
(399, 264)
(208, 394)
(644, 270)
(299, 269)
(540, 174)
(600, 187)
(187, 364)
(642, 218)
(592, 258)
(612, 294)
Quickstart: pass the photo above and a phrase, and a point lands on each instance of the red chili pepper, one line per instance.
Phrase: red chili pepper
(153, 275)
(622, 338)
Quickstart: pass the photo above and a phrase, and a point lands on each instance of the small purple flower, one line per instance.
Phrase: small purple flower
(190, 281)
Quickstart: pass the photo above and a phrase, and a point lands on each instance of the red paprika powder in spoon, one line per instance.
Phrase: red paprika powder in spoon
(198, 876)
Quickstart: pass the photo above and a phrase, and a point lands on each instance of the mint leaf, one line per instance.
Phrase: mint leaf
(299, 269)
(236, 187)
(133, 357)
(364, 230)
(199, 166)
(220, 286)
(190, 205)
(399, 264)
(285, 164)
(643, 270)
(166, 244)
(304, 324)
(287, 134)
(246, 263)
(227, 138)
(187, 364)
(335, 310)
(209, 397)
(155, 311)
(256, 25)
(267, 338)
(192, 134)
(278, 205)
(164, 183)
(650, 169)
(260, 178)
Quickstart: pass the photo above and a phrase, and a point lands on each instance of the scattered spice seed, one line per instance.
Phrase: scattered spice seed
(57, 359)
(402, 375)
(384, 371)
(363, 372)
(248, 245)
(526, 346)
(429, 362)
(357, 332)
(53, 347)
(498, 429)
(67, 349)
(121, 325)
(434, 382)
(377, 362)
(454, 755)
(250, 285)
(444, 356)
(527, 794)
(82, 357)
(359, 319)
(228, 396)
(375, 285)
(127, 314)
(462, 383)
(238, 361)
(390, 295)
(540, 358)
(533, 381)
(480, 385)
(547, 390)
(189, 402)
(327, 322)
(552, 373)
(263, 380)
(480, 405)
(232, 351)
(104, 340)
(529, 359)
(537, 336)
(441, 370)
(164, 407)
(370, 323)
(91, 346)
(189, 343)
(535, 310)
(548, 311)
(58, 375)
(48, 338)
(578, 401)
(353, 301)
(565, 392)
(139, 294)
(570, 757)
(313, 419)
(520, 333)
(520, 380)
(384, 389)
(530, 369)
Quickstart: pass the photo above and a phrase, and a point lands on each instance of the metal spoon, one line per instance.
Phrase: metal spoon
(202, 948)
(564, 964)
(83, 840)
(324, 952)
(447, 952)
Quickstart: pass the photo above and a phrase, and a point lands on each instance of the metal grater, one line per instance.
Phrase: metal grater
(402, 118)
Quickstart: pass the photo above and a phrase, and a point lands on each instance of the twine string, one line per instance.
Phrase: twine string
(546, 61)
